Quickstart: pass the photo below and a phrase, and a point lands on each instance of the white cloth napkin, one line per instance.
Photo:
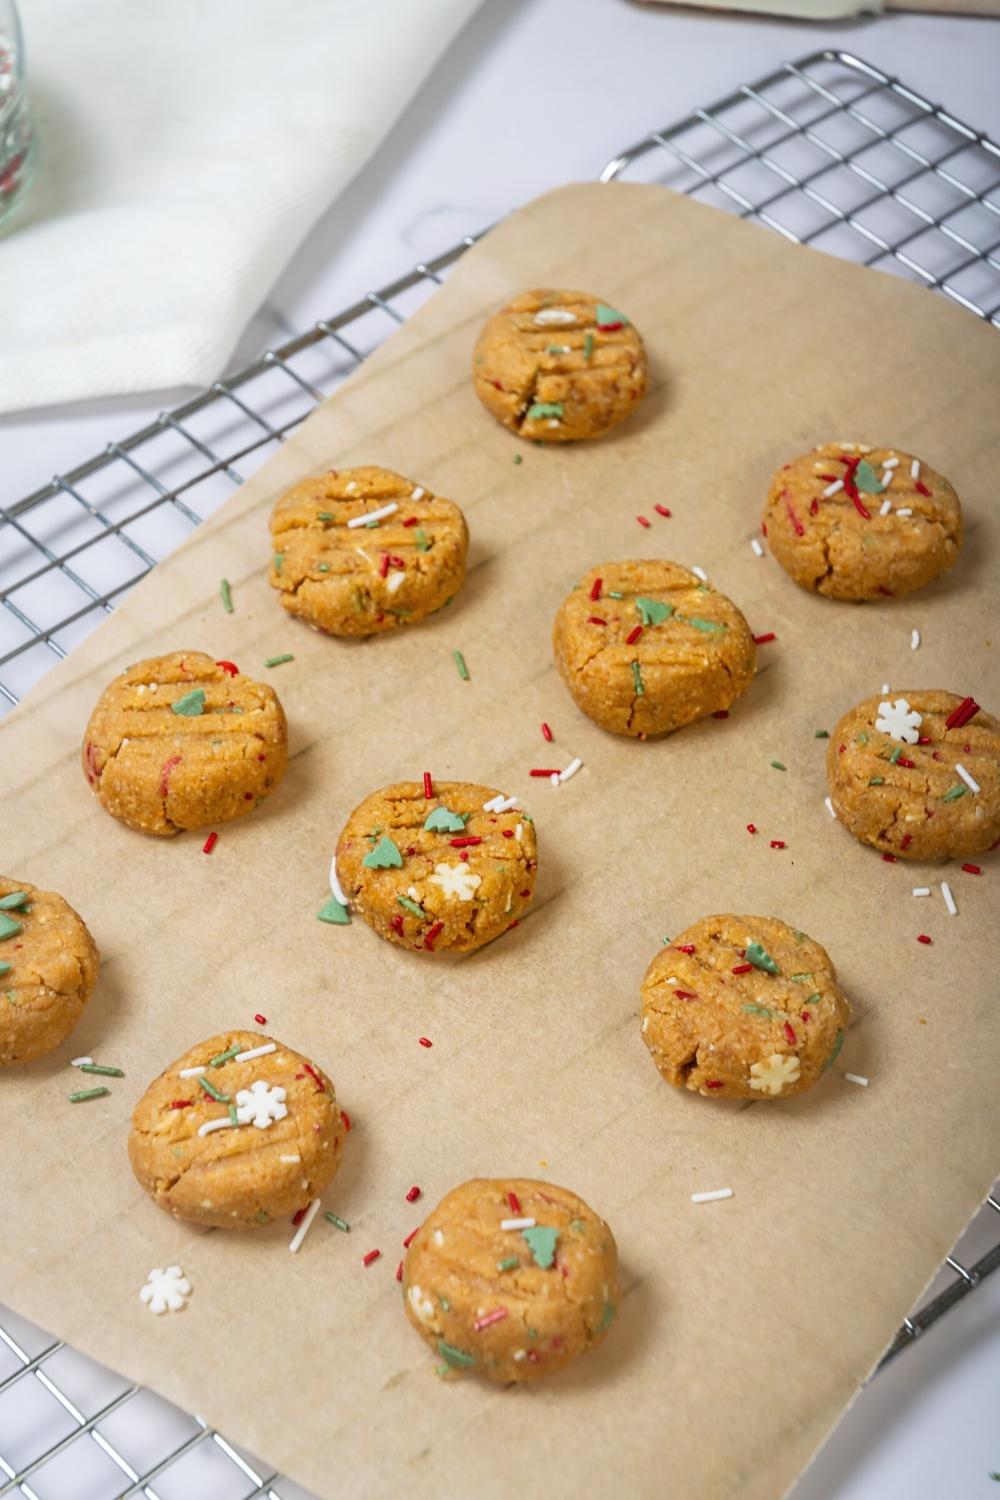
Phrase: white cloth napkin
(186, 147)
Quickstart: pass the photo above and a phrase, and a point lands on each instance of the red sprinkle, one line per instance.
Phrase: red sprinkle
(514, 1203)
(399, 1271)
(972, 869)
(751, 828)
(346, 1119)
(165, 770)
(425, 1041)
(372, 1255)
(541, 771)
(466, 842)
(181, 1103)
(906, 764)
(921, 488)
(685, 948)
(643, 522)
(777, 843)
(890, 859)
(713, 1083)
(611, 327)
(595, 620)
(410, 521)
(210, 843)
(595, 588)
(742, 968)
(814, 507)
(383, 564)
(546, 733)
(960, 715)
(413, 1194)
(428, 786)
(661, 510)
(721, 713)
(800, 530)
(790, 1035)
(887, 592)
(763, 527)
(906, 841)
(298, 1217)
(397, 923)
(261, 1020)
(411, 1237)
(508, 833)
(805, 1015)
(229, 667)
(431, 935)
(633, 635)
(685, 995)
(860, 506)
(320, 1085)
(762, 640)
(923, 938)
(496, 1316)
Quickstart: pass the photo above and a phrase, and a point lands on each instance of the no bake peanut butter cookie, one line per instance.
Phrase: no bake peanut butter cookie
(48, 969)
(556, 366)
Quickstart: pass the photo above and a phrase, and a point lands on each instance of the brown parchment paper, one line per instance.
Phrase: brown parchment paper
(746, 1325)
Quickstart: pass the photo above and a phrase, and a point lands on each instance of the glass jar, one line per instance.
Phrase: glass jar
(17, 141)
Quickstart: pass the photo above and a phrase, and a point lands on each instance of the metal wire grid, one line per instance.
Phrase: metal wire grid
(829, 151)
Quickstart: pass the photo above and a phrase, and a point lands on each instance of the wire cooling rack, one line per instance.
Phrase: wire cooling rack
(829, 151)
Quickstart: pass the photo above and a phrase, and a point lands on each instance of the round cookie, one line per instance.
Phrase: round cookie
(349, 577)
(182, 741)
(48, 969)
(282, 1153)
(518, 1302)
(743, 1008)
(895, 771)
(446, 873)
(556, 366)
(842, 524)
(645, 647)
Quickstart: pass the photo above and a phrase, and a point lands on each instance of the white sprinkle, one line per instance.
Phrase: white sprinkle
(904, 510)
(571, 769)
(828, 804)
(224, 1124)
(295, 1157)
(921, 890)
(394, 580)
(832, 489)
(517, 1223)
(713, 1197)
(554, 779)
(885, 507)
(418, 494)
(886, 479)
(758, 550)
(700, 573)
(949, 899)
(915, 469)
(256, 1052)
(335, 883)
(493, 803)
(890, 463)
(970, 781)
(914, 640)
(519, 831)
(303, 1228)
(78, 1062)
(154, 687)
(141, 688)
(373, 515)
(856, 1078)
(505, 804)
(554, 422)
(554, 315)
(885, 687)
(439, 1237)
(191, 1072)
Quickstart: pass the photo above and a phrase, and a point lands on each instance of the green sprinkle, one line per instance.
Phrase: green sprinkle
(223, 1057)
(640, 686)
(614, 594)
(211, 1089)
(322, 567)
(954, 792)
(324, 515)
(463, 670)
(518, 459)
(761, 959)
(454, 1357)
(412, 906)
(8, 927)
(557, 349)
(384, 856)
(540, 409)
(532, 1333)
(799, 978)
(508, 1263)
(82, 1094)
(895, 755)
(191, 704)
(778, 766)
(445, 1304)
(814, 998)
(652, 612)
(227, 596)
(340, 1223)
(542, 1241)
(577, 1225)
(862, 737)
(700, 624)
(607, 1317)
(838, 1043)
(758, 1010)
(371, 525)
(443, 820)
(279, 558)
(335, 913)
(821, 734)
(588, 345)
(5, 968)
(866, 479)
(233, 1117)
(14, 901)
(876, 781)
(420, 537)
(100, 1068)
(607, 315)
(279, 661)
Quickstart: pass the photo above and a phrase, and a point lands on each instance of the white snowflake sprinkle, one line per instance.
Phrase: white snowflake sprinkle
(165, 1290)
(899, 721)
(456, 881)
(261, 1104)
(771, 1075)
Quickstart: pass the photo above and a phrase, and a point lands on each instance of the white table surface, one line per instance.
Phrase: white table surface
(533, 94)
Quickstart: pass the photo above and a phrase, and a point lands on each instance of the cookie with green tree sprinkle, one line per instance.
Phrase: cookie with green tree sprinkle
(558, 366)
(646, 647)
(743, 1008)
(48, 969)
(358, 552)
(511, 1278)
